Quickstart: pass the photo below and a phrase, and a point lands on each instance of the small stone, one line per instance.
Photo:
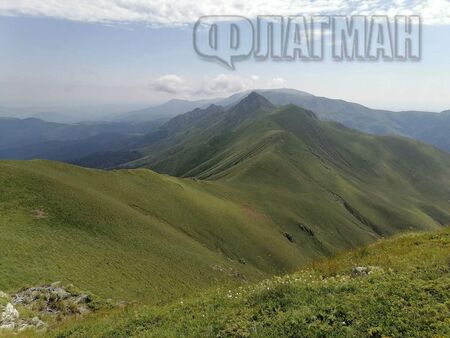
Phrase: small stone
(39, 324)
(360, 271)
(3, 295)
(365, 270)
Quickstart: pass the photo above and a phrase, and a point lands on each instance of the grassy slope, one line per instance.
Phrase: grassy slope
(133, 234)
(407, 295)
(124, 235)
(298, 170)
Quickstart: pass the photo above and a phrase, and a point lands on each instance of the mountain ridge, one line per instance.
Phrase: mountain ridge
(52, 140)
(353, 115)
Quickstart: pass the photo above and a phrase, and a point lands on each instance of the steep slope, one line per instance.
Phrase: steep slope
(192, 138)
(395, 288)
(379, 185)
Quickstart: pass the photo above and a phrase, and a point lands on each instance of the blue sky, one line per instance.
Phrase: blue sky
(54, 57)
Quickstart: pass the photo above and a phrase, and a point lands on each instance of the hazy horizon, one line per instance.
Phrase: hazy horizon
(140, 54)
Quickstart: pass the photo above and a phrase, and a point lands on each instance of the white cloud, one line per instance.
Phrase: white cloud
(176, 12)
(219, 85)
(171, 84)
(224, 84)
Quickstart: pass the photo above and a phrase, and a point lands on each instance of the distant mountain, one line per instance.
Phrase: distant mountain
(53, 117)
(176, 107)
(35, 138)
(428, 127)
(12, 112)
(167, 110)
(432, 128)
(71, 150)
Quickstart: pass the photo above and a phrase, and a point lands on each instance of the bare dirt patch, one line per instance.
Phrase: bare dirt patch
(39, 214)
(253, 214)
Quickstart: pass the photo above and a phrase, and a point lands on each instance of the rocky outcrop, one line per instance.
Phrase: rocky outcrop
(42, 303)
(306, 229)
(54, 299)
(288, 237)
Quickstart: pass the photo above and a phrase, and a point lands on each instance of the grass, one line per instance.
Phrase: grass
(406, 295)
(122, 235)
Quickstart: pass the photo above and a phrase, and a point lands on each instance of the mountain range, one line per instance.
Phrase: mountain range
(254, 190)
(116, 140)
(429, 127)
(35, 138)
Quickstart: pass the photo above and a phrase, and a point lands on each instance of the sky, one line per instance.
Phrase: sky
(63, 53)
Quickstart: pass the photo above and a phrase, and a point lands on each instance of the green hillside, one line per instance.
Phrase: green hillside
(126, 234)
(295, 166)
(395, 288)
(270, 189)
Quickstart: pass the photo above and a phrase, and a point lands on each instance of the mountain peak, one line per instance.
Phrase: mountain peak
(254, 101)
(255, 96)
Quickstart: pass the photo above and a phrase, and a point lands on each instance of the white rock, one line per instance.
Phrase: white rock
(366, 270)
(3, 295)
(9, 315)
(9, 326)
(39, 324)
